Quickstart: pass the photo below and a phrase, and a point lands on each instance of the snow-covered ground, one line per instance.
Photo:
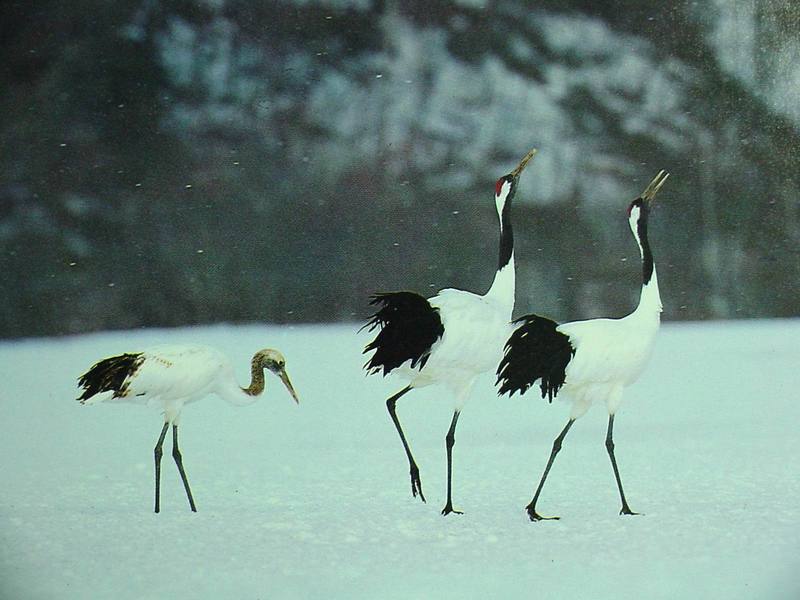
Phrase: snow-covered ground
(314, 501)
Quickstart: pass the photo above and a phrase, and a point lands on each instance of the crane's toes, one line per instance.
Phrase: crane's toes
(534, 516)
(416, 486)
(417, 491)
(449, 509)
(627, 511)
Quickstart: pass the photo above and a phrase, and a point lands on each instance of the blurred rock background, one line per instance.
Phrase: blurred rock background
(170, 163)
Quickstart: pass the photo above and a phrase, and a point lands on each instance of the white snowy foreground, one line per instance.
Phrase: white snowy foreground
(314, 501)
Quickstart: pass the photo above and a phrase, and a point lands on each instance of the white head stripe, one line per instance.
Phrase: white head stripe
(500, 199)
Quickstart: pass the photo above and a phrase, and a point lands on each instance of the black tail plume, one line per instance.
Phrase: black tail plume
(109, 374)
(535, 351)
(409, 326)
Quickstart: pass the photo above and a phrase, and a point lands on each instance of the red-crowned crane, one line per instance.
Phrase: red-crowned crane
(170, 376)
(592, 360)
(448, 339)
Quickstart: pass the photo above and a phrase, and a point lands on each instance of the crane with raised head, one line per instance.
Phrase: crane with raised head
(588, 361)
(450, 338)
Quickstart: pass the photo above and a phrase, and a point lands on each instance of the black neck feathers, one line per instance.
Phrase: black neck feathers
(647, 254)
(506, 231)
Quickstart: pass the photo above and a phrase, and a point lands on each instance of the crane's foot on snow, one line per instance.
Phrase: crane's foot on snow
(448, 508)
(416, 483)
(625, 510)
(534, 516)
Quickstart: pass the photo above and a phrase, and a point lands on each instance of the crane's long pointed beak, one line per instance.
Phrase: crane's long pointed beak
(285, 379)
(652, 188)
(523, 163)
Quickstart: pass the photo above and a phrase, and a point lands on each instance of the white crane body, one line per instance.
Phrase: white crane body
(170, 376)
(610, 354)
(463, 351)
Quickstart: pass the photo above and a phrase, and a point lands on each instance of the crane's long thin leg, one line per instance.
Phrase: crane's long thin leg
(176, 454)
(157, 452)
(531, 508)
(416, 484)
(450, 440)
(610, 447)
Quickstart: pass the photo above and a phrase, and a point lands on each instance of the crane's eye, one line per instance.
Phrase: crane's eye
(274, 364)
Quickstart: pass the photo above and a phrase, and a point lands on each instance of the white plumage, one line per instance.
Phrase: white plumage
(448, 339)
(589, 361)
(171, 376)
(475, 330)
(610, 354)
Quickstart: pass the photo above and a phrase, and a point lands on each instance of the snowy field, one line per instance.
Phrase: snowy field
(314, 501)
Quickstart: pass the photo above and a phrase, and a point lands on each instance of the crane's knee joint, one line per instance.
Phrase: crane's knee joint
(609, 444)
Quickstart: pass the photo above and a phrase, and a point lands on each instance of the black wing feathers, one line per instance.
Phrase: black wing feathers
(409, 326)
(109, 374)
(535, 351)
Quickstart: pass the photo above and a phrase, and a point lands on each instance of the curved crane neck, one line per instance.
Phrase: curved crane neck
(231, 392)
(257, 384)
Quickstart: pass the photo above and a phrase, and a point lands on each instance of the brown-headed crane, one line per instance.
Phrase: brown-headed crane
(170, 376)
